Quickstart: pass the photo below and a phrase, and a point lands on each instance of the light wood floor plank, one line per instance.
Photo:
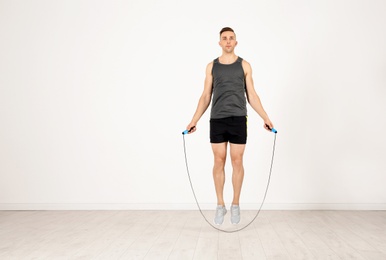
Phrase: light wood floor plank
(292, 241)
(337, 244)
(163, 246)
(206, 249)
(250, 244)
(229, 246)
(365, 229)
(186, 243)
(337, 224)
(148, 237)
(207, 243)
(270, 240)
(301, 222)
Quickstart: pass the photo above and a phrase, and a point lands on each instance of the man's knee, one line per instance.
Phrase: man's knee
(237, 161)
(219, 161)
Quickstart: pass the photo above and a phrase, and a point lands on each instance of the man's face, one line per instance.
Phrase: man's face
(228, 41)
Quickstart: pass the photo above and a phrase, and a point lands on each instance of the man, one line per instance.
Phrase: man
(229, 80)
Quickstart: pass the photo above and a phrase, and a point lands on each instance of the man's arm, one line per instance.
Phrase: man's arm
(252, 96)
(205, 98)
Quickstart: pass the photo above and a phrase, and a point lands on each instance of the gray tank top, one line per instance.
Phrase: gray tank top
(228, 90)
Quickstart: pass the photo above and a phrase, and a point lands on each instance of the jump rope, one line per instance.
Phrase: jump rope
(273, 130)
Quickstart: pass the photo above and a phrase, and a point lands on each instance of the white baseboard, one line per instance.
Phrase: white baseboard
(189, 206)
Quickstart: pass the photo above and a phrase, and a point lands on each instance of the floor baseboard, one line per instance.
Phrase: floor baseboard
(189, 206)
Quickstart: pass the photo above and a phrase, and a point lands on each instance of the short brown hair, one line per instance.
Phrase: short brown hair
(226, 29)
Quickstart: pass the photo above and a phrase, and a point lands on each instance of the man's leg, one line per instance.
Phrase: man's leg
(237, 153)
(219, 154)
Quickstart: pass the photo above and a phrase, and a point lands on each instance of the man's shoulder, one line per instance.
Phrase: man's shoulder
(213, 61)
(245, 64)
(210, 64)
(243, 61)
(209, 67)
(246, 67)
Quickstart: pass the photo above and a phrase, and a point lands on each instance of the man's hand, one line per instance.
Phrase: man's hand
(268, 125)
(191, 128)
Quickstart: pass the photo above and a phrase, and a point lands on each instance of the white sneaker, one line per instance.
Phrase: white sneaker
(235, 214)
(220, 213)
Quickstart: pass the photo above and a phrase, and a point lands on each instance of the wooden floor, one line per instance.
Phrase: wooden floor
(185, 235)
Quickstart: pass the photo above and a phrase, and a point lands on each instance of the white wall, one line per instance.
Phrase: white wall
(94, 96)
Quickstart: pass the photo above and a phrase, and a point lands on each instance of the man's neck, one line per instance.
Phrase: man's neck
(228, 58)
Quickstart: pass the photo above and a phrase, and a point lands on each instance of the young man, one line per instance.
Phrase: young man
(229, 80)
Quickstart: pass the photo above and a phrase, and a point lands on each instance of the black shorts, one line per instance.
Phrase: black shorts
(230, 129)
